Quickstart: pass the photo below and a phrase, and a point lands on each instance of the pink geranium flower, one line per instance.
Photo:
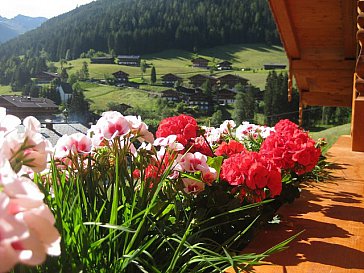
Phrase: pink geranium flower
(30, 148)
(192, 162)
(170, 142)
(140, 129)
(111, 125)
(77, 143)
(11, 231)
(192, 186)
(209, 176)
(7, 122)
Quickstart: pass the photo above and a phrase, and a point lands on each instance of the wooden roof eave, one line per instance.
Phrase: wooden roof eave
(287, 33)
(291, 44)
(307, 69)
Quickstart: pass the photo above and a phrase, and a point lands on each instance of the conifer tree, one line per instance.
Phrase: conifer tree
(244, 105)
(276, 104)
(78, 106)
(153, 75)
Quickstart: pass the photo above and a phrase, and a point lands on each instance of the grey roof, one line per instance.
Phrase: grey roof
(102, 58)
(129, 56)
(225, 63)
(23, 101)
(122, 73)
(233, 76)
(199, 59)
(202, 76)
(170, 75)
(59, 129)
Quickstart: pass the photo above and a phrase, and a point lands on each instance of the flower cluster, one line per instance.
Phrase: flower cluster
(252, 174)
(183, 126)
(249, 173)
(285, 147)
(291, 148)
(230, 148)
(27, 232)
(249, 130)
(119, 152)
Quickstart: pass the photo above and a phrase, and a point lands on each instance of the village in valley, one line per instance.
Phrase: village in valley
(201, 90)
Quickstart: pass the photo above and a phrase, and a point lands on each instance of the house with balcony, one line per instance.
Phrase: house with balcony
(199, 79)
(224, 65)
(129, 60)
(46, 77)
(231, 80)
(121, 77)
(200, 62)
(199, 100)
(23, 106)
(171, 95)
(226, 96)
(170, 79)
(102, 60)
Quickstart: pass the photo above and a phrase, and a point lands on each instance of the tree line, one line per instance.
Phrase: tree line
(144, 26)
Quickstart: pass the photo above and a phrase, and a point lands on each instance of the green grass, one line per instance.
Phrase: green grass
(247, 55)
(101, 95)
(154, 88)
(332, 134)
(251, 56)
(6, 90)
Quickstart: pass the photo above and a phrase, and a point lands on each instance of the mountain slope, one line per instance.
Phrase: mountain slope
(10, 28)
(143, 26)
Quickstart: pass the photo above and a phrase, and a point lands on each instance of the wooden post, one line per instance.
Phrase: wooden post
(290, 80)
(300, 110)
(357, 122)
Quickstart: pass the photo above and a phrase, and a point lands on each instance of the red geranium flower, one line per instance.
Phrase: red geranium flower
(200, 145)
(285, 125)
(291, 148)
(252, 173)
(183, 126)
(229, 149)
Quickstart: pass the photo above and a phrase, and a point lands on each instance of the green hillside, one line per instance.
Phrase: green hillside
(145, 26)
(6, 90)
(249, 56)
(332, 134)
(101, 95)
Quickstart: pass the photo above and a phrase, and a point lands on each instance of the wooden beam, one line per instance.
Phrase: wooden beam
(357, 124)
(325, 99)
(349, 14)
(357, 131)
(323, 65)
(285, 27)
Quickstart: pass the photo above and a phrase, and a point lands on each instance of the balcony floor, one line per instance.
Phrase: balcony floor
(332, 215)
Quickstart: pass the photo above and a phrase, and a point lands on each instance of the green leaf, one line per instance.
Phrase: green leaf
(216, 163)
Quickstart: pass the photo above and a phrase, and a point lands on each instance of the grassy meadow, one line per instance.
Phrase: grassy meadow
(251, 56)
(101, 95)
(6, 90)
(332, 134)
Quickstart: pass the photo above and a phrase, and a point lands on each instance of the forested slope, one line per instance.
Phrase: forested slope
(144, 26)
